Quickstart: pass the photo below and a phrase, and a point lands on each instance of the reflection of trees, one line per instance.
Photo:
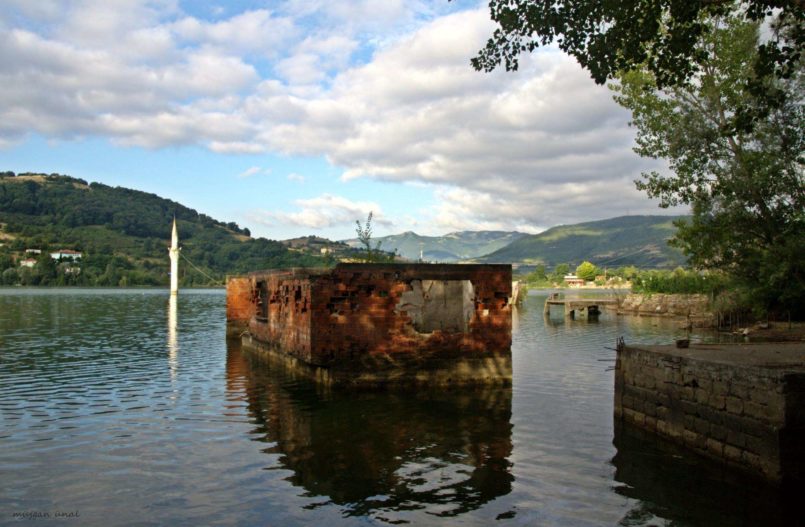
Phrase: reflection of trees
(672, 483)
(392, 451)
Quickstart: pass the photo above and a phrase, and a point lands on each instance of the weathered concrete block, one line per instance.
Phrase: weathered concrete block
(732, 453)
(734, 438)
(735, 405)
(714, 447)
(741, 404)
(719, 402)
(718, 432)
(721, 388)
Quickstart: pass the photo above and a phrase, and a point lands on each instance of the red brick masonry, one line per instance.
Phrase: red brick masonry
(381, 323)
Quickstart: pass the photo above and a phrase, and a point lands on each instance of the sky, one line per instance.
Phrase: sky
(300, 117)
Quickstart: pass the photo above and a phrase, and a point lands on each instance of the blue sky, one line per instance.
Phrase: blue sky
(299, 117)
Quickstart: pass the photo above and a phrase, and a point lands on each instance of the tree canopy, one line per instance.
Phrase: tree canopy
(607, 37)
(745, 186)
(586, 271)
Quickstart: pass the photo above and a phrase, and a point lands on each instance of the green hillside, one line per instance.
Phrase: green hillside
(627, 240)
(452, 247)
(123, 236)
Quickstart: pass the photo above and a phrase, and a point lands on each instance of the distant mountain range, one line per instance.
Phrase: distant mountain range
(452, 247)
(626, 240)
(123, 234)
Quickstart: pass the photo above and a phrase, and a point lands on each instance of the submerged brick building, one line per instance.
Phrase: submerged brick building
(380, 324)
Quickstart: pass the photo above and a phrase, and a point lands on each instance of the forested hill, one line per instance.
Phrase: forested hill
(641, 241)
(122, 234)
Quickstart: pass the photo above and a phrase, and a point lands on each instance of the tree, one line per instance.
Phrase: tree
(662, 36)
(9, 276)
(559, 273)
(537, 275)
(44, 270)
(372, 254)
(745, 186)
(586, 271)
(6, 261)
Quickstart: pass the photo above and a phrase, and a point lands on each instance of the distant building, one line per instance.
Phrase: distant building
(28, 262)
(65, 254)
(574, 281)
(33, 251)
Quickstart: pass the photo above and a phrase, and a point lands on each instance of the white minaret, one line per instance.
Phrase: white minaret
(173, 252)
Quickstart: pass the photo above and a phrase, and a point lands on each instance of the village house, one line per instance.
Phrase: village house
(574, 281)
(28, 262)
(65, 254)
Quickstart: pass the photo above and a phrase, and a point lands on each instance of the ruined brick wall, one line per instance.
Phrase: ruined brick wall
(750, 417)
(361, 310)
(282, 308)
(239, 305)
(389, 321)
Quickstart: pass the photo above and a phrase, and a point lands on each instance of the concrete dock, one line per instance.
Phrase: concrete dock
(740, 404)
(578, 308)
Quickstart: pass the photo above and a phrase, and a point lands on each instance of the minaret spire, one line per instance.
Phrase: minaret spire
(173, 253)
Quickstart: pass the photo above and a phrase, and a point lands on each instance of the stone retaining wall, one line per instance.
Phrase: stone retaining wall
(742, 405)
(693, 307)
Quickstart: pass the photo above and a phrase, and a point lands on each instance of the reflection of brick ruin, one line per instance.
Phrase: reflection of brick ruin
(374, 324)
(450, 448)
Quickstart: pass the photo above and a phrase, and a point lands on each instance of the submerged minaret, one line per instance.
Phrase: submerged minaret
(173, 252)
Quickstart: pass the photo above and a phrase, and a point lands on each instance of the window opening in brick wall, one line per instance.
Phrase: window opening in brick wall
(262, 301)
(439, 305)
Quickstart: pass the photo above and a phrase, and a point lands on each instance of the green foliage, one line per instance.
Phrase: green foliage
(123, 235)
(627, 273)
(586, 271)
(558, 274)
(561, 270)
(537, 275)
(745, 185)
(371, 254)
(664, 37)
(680, 281)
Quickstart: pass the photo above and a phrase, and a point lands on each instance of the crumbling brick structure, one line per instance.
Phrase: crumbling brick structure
(379, 324)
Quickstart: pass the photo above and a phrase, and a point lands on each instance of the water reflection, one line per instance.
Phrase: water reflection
(671, 483)
(380, 452)
(173, 346)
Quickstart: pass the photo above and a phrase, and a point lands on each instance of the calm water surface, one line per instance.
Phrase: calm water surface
(128, 409)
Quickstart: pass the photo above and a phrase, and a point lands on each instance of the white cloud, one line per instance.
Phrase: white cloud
(299, 178)
(236, 147)
(253, 171)
(321, 212)
(528, 149)
(258, 31)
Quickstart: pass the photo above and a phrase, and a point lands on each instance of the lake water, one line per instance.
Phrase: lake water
(123, 409)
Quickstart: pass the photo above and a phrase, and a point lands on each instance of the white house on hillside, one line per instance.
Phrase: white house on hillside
(65, 254)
